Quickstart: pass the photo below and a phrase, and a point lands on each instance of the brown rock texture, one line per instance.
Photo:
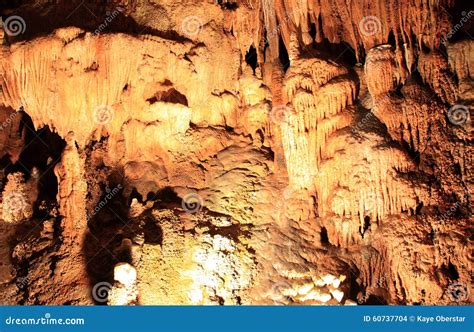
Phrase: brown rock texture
(236, 152)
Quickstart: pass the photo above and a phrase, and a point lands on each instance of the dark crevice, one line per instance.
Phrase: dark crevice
(165, 197)
(391, 39)
(418, 208)
(283, 56)
(354, 290)
(366, 226)
(42, 151)
(339, 52)
(324, 236)
(229, 5)
(134, 195)
(105, 243)
(375, 300)
(312, 31)
(251, 58)
(169, 96)
(450, 271)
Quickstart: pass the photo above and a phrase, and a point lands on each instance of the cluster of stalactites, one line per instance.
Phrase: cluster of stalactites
(321, 94)
(362, 24)
(33, 77)
(371, 186)
(403, 121)
(461, 59)
(407, 118)
(102, 81)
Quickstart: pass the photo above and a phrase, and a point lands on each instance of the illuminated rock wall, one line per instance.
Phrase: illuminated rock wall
(229, 155)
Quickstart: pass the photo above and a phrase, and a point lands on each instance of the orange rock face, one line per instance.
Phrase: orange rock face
(239, 152)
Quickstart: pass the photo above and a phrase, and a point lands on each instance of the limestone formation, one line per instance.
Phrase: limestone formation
(17, 205)
(125, 291)
(236, 153)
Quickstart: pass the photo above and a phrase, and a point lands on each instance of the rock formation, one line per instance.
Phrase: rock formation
(236, 152)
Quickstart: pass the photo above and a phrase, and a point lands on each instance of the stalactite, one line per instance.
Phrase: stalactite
(380, 70)
(408, 118)
(409, 57)
(370, 187)
(271, 27)
(319, 92)
(246, 24)
(362, 24)
(24, 75)
(29, 70)
(461, 59)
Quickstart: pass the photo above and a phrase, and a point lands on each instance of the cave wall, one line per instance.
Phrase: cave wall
(194, 171)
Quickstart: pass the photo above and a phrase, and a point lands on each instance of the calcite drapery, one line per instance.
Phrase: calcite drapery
(362, 24)
(319, 93)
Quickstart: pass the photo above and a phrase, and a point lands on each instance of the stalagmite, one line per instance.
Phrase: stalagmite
(16, 201)
(72, 190)
(380, 71)
(125, 292)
